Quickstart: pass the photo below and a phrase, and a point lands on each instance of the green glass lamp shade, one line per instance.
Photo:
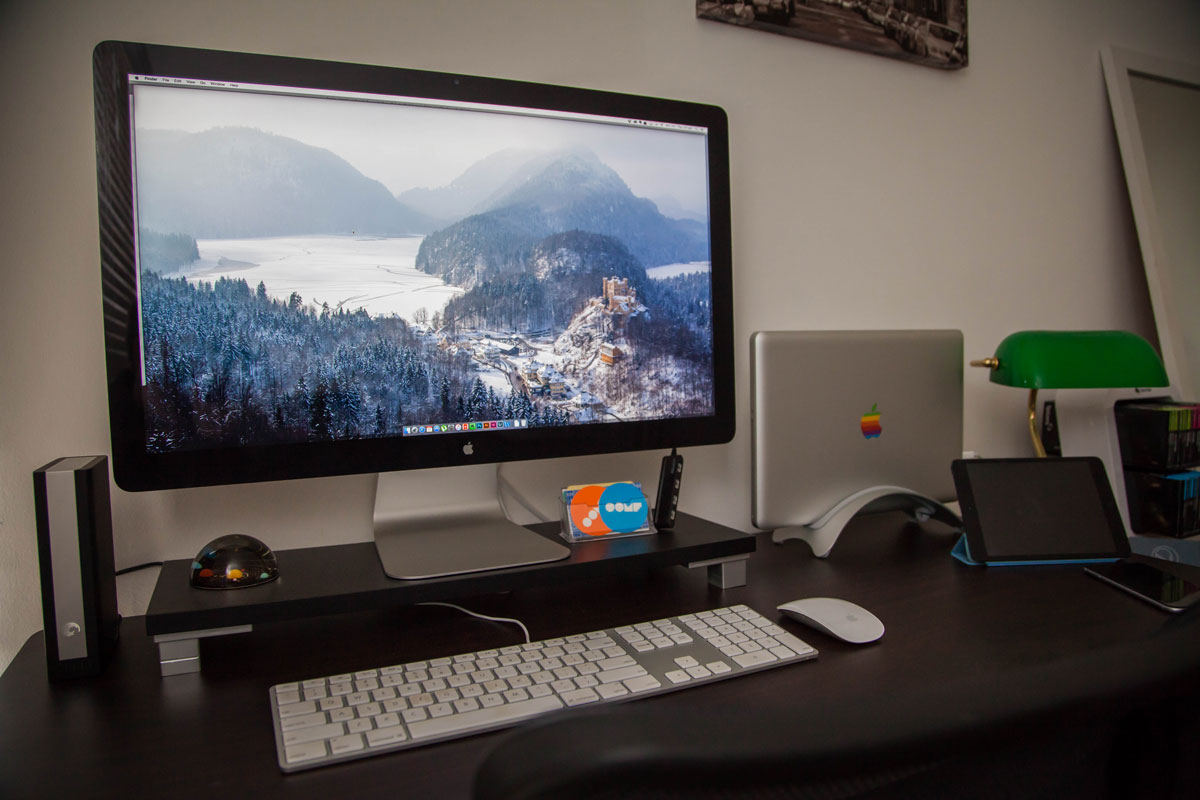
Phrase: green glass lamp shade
(1077, 360)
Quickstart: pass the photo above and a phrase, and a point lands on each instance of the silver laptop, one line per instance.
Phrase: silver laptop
(835, 413)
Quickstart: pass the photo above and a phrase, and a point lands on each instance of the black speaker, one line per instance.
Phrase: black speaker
(75, 547)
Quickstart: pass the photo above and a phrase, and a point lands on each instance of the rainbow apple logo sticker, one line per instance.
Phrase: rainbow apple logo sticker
(870, 423)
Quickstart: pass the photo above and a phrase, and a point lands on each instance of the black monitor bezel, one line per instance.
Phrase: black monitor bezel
(135, 469)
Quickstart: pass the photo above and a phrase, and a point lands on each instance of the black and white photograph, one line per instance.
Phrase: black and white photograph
(928, 32)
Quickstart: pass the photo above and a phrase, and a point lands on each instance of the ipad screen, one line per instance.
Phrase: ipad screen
(1040, 508)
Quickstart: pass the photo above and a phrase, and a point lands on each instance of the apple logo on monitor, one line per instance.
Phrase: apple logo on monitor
(870, 423)
(468, 449)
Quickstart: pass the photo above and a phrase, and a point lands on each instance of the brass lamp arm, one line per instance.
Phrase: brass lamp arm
(993, 363)
(1038, 447)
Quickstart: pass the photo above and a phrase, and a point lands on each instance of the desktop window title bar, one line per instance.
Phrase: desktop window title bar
(299, 91)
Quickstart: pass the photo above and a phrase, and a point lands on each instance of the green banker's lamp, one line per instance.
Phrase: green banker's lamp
(1073, 360)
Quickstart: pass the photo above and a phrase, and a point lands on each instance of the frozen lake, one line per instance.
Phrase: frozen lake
(671, 270)
(373, 273)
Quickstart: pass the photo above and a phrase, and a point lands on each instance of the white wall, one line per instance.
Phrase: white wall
(866, 193)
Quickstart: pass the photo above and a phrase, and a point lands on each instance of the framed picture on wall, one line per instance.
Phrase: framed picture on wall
(928, 32)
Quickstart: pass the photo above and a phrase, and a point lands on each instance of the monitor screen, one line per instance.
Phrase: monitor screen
(314, 268)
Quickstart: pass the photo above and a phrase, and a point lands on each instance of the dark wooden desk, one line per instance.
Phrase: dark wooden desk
(209, 734)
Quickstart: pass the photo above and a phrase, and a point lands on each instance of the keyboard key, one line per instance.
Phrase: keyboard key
(799, 645)
(299, 753)
(313, 734)
(386, 736)
(624, 673)
(296, 709)
(618, 661)
(340, 745)
(466, 704)
(579, 697)
(360, 725)
(610, 690)
(754, 659)
(642, 684)
(484, 717)
(302, 721)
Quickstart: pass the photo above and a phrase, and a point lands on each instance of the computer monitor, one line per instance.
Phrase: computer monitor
(313, 268)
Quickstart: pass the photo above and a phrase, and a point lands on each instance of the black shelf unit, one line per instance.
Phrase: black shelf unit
(339, 579)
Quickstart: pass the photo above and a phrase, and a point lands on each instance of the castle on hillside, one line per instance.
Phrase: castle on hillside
(617, 297)
(611, 312)
(618, 302)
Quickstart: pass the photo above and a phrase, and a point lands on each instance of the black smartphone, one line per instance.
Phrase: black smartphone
(1166, 590)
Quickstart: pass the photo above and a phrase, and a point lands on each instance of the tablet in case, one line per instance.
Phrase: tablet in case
(1037, 511)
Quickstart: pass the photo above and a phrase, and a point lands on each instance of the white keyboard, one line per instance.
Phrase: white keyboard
(354, 715)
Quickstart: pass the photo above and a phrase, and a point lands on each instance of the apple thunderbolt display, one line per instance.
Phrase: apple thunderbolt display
(316, 268)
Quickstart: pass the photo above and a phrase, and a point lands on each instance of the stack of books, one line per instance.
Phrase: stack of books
(1160, 453)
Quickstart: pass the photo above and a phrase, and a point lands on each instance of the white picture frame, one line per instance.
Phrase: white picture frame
(1156, 111)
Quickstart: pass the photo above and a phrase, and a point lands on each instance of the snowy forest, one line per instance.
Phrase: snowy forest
(227, 365)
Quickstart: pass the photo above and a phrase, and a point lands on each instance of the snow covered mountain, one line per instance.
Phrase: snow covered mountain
(573, 191)
(233, 182)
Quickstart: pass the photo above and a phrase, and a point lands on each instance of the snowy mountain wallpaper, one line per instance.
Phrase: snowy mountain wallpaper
(316, 268)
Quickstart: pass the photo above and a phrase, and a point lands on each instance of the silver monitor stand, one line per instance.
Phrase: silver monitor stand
(418, 535)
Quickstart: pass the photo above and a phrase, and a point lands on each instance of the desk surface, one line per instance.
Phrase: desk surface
(210, 734)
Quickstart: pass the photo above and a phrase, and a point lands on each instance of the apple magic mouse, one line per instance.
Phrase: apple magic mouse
(838, 618)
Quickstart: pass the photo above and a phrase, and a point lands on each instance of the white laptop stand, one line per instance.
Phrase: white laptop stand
(823, 532)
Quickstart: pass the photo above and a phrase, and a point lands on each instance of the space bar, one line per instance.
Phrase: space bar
(484, 717)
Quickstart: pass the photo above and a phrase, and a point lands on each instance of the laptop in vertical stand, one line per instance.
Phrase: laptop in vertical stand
(838, 414)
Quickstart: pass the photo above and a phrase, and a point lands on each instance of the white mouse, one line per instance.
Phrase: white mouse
(838, 618)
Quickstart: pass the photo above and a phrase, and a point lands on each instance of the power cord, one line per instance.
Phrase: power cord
(147, 565)
(516, 622)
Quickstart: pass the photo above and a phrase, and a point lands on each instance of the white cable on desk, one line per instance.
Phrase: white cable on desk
(516, 622)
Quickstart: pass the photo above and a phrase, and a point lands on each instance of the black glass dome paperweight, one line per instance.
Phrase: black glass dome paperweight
(233, 562)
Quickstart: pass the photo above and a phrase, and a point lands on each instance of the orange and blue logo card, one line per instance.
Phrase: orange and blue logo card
(602, 509)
